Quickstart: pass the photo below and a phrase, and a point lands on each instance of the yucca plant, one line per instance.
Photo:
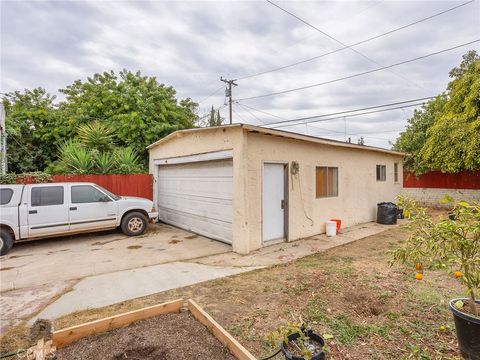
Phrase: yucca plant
(105, 163)
(127, 161)
(75, 158)
(96, 135)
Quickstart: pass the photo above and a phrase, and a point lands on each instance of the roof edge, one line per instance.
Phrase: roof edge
(282, 133)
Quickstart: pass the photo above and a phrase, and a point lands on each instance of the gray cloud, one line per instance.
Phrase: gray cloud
(189, 44)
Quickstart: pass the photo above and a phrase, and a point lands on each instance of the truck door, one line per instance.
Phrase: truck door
(90, 208)
(47, 210)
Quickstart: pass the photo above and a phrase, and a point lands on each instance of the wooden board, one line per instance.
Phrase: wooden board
(66, 336)
(219, 332)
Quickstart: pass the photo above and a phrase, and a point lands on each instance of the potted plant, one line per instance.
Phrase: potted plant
(297, 341)
(451, 243)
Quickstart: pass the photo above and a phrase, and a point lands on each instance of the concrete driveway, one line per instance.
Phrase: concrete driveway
(62, 259)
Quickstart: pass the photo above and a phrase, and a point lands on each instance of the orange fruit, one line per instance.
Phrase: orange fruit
(457, 274)
(418, 266)
(418, 276)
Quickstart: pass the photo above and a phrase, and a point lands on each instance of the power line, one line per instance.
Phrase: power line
(355, 44)
(354, 110)
(261, 111)
(352, 115)
(241, 118)
(209, 96)
(335, 39)
(360, 74)
(251, 113)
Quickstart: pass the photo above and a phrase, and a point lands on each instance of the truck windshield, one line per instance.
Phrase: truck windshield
(113, 196)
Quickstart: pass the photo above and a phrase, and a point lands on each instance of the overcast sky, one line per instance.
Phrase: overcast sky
(190, 44)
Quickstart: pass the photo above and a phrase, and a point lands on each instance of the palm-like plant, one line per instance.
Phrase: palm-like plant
(96, 135)
(127, 161)
(75, 158)
(105, 163)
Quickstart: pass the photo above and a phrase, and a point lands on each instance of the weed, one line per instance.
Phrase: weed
(347, 331)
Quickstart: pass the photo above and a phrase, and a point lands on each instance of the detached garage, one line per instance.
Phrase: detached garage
(250, 186)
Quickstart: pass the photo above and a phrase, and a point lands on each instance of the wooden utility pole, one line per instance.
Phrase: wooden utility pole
(228, 93)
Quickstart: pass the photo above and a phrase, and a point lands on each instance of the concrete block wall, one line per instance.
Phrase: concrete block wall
(432, 196)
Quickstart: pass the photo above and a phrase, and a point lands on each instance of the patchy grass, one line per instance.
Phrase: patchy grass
(373, 311)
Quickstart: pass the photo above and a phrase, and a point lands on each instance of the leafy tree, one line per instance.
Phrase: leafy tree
(453, 142)
(445, 134)
(137, 108)
(215, 118)
(29, 122)
(412, 140)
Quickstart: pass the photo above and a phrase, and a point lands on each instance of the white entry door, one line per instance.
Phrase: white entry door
(273, 201)
(197, 196)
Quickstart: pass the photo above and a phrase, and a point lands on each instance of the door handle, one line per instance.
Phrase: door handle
(73, 208)
(282, 204)
(32, 212)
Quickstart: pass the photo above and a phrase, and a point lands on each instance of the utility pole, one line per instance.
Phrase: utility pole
(228, 93)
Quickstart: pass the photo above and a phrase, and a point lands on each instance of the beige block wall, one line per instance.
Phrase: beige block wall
(358, 194)
(430, 196)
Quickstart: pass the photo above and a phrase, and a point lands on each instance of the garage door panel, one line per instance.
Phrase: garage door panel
(197, 188)
(214, 229)
(217, 209)
(198, 197)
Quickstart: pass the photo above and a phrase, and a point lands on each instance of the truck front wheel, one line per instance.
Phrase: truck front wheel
(134, 223)
(6, 242)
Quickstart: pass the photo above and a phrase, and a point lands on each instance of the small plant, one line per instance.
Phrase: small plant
(302, 343)
(451, 244)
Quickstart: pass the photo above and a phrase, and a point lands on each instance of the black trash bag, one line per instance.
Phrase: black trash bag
(387, 213)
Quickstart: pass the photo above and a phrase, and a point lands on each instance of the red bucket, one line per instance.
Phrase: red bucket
(339, 224)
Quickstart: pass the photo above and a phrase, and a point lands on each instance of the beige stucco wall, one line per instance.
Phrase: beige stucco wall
(359, 192)
(210, 140)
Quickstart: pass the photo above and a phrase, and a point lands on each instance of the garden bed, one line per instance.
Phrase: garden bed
(168, 337)
(156, 332)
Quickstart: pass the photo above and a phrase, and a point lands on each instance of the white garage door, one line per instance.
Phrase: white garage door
(198, 197)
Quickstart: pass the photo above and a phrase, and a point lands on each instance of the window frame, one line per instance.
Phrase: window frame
(395, 172)
(383, 174)
(88, 202)
(9, 199)
(46, 187)
(335, 186)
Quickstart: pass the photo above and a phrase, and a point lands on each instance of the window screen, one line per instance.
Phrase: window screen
(381, 172)
(86, 194)
(326, 181)
(395, 172)
(47, 195)
(5, 196)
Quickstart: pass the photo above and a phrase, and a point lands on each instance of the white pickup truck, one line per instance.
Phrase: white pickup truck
(36, 211)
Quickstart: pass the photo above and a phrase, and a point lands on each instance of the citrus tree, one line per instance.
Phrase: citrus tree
(451, 244)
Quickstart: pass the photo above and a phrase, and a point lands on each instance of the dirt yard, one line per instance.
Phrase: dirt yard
(371, 310)
(166, 337)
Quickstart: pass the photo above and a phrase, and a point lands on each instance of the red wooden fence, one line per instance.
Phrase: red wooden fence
(437, 179)
(120, 184)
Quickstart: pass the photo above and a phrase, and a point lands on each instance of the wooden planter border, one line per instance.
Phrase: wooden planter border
(219, 332)
(66, 336)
